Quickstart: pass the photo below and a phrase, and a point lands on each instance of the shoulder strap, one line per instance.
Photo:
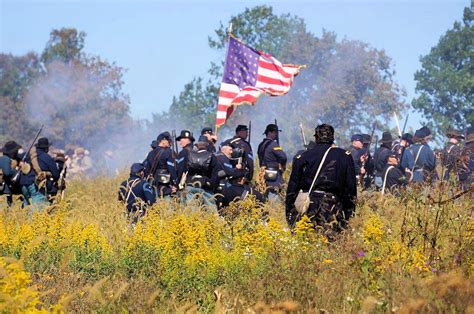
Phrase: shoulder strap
(416, 158)
(385, 178)
(319, 169)
(155, 161)
(130, 188)
(34, 160)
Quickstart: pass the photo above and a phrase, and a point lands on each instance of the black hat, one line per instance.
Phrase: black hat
(408, 137)
(154, 144)
(136, 168)
(10, 147)
(164, 136)
(386, 137)
(357, 137)
(422, 133)
(206, 130)
(452, 133)
(203, 139)
(271, 128)
(241, 127)
(366, 138)
(43, 143)
(185, 134)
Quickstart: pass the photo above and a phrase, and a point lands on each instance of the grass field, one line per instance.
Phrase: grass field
(401, 254)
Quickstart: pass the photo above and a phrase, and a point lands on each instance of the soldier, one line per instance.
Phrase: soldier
(160, 169)
(239, 141)
(272, 159)
(358, 153)
(424, 163)
(46, 169)
(466, 161)
(186, 141)
(8, 164)
(200, 163)
(367, 162)
(406, 159)
(327, 174)
(237, 190)
(136, 193)
(393, 177)
(211, 138)
(381, 156)
(451, 153)
(81, 164)
(224, 169)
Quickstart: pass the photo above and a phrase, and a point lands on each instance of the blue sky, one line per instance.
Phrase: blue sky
(163, 44)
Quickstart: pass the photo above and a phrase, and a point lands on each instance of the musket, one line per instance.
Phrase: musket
(361, 177)
(16, 177)
(62, 182)
(278, 133)
(250, 131)
(175, 144)
(405, 124)
(302, 134)
(398, 124)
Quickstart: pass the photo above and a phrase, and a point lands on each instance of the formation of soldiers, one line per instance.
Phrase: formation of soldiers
(322, 184)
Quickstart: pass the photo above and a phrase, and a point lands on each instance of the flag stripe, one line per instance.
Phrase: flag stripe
(270, 77)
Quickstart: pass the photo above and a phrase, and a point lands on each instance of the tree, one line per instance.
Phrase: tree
(64, 45)
(446, 81)
(17, 75)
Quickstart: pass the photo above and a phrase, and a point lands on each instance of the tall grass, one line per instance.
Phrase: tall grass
(411, 253)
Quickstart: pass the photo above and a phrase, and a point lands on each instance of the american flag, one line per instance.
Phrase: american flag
(248, 74)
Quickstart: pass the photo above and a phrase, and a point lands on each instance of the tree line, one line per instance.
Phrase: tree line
(347, 83)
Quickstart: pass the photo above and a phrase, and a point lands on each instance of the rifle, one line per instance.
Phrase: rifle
(16, 177)
(361, 177)
(302, 134)
(398, 124)
(405, 124)
(403, 148)
(62, 182)
(250, 130)
(278, 133)
(174, 145)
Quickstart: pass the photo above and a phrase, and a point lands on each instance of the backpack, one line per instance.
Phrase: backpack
(199, 161)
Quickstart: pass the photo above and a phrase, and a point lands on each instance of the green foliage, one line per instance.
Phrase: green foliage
(64, 45)
(79, 98)
(446, 80)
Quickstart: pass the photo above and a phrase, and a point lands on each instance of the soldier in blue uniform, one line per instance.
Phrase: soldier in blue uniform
(424, 163)
(8, 163)
(381, 156)
(186, 141)
(393, 177)
(238, 189)
(334, 193)
(451, 153)
(239, 141)
(367, 162)
(46, 169)
(357, 152)
(160, 169)
(224, 169)
(136, 193)
(211, 138)
(272, 159)
(200, 163)
(406, 159)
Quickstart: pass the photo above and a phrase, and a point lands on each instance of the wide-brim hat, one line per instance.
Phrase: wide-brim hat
(10, 147)
(452, 133)
(386, 137)
(43, 143)
(185, 134)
